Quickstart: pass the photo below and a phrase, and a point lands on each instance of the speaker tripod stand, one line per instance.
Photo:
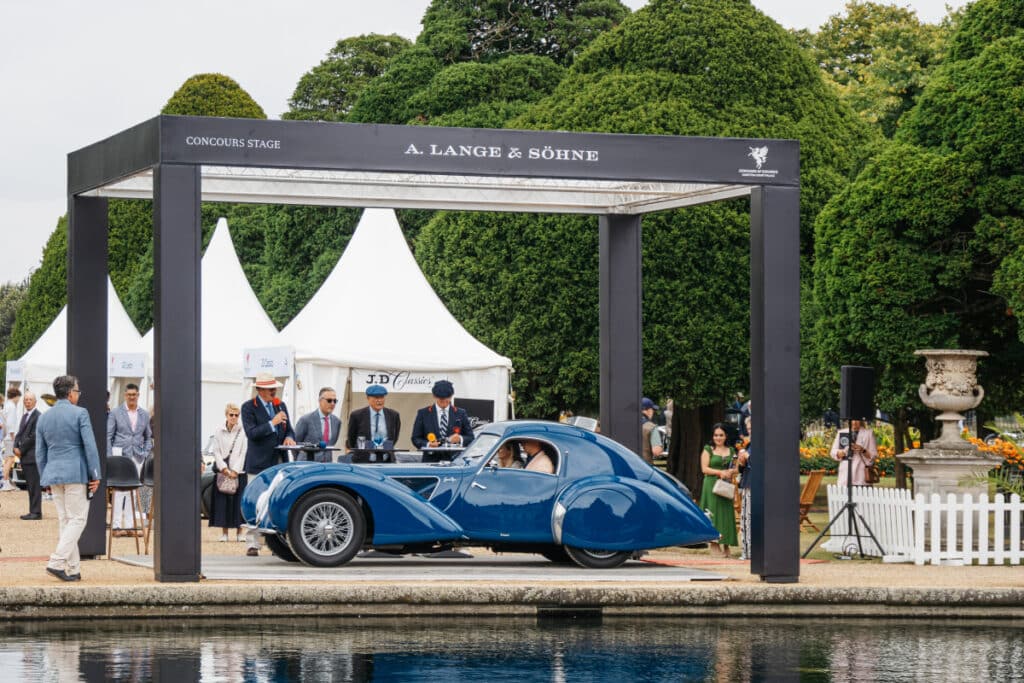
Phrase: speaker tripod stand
(850, 507)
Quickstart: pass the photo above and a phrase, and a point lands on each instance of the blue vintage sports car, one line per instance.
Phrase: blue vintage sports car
(601, 506)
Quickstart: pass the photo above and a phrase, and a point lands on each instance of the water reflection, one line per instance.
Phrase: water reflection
(510, 649)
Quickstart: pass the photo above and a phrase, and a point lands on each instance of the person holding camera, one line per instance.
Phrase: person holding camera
(861, 444)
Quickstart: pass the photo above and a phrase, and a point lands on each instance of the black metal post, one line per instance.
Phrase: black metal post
(87, 339)
(775, 382)
(621, 343)
(177, 240)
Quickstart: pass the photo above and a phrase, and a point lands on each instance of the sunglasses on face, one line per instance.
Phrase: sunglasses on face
(330, 400)
(232, 414)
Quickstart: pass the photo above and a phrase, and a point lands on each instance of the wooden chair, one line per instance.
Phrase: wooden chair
(807, 495)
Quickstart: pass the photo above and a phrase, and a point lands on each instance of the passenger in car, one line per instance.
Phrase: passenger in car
(537, 460)
(506, 457)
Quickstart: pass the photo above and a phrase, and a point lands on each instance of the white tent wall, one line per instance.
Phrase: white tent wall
(47, 358)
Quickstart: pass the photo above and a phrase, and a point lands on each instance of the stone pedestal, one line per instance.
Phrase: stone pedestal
(943, 470)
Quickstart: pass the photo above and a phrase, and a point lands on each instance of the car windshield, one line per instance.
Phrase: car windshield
(480, 447)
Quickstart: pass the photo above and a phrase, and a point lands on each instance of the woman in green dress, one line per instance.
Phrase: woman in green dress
(716, 462)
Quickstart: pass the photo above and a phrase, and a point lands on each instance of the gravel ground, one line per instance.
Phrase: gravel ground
(25, 546)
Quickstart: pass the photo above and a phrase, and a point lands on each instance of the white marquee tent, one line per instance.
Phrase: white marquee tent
(47, 358)
(232, 320)
(376, 319)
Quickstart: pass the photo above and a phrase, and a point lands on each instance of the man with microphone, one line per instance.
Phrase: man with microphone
(266, 424)
(863, 447)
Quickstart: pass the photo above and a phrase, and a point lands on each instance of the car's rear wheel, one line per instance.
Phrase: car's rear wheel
(279, 547)
(326, 528)
(596, 559)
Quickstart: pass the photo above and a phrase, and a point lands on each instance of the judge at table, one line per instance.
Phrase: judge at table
(319, 426)
(442, 419)
(375, 423)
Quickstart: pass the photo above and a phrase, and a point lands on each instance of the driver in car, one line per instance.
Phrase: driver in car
(537, 460)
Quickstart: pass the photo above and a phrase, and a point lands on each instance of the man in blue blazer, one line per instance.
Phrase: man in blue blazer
(69, 464)
(267, 426)
(129, 433)
(320, 426)
(447, 423)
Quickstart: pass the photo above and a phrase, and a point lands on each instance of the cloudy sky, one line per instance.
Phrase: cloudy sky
(73, 72)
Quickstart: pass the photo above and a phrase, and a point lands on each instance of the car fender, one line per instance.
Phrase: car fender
(611, 513)
(398, 514)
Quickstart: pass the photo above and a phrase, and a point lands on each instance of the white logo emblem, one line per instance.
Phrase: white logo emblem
(759, 155)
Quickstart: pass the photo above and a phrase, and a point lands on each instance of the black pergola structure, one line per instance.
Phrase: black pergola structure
(179, 162)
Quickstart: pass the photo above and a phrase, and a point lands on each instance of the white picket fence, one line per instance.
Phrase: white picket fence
(974, 543)
(889, 513)
(919, 530)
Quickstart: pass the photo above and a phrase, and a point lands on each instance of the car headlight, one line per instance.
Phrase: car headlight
(263, 502)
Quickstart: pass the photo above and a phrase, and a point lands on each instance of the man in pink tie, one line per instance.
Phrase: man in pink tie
(321, 426)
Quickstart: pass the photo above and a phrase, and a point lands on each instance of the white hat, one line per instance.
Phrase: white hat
(265, 380)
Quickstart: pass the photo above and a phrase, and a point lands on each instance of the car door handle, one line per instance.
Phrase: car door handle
(479, 485)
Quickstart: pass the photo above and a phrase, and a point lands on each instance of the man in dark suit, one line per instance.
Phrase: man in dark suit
(320, 426)
(266, 424)
(442, 419)
(25, 449)
(374, 422)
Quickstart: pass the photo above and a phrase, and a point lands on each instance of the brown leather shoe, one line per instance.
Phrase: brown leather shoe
(253, 552)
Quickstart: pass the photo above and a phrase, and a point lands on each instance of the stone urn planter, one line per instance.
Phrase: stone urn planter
(951, 386)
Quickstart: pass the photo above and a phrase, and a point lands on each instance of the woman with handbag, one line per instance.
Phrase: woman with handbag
(228, 450)
(718, 491)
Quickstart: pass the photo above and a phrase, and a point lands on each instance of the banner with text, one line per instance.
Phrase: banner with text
(400, 381)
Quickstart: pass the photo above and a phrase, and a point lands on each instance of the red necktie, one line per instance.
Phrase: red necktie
(327, 430)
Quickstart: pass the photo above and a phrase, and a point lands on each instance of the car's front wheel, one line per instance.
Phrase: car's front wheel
(279, 547)
(326, 528)
(596, 559)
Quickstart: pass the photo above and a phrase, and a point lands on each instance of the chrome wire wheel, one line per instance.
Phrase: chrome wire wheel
(327, 528)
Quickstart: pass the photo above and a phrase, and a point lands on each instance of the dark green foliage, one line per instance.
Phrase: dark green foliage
(384, 100)
(471, 30)
(983, 22)
(938, 221)
(47, 294)
(328, 91)
(516, 283)
(212, 95)
(708, 67)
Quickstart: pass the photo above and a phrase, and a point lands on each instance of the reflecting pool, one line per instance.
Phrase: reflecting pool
(512, 649)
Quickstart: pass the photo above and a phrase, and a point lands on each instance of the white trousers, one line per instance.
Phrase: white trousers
(123, 512)
(72, 513)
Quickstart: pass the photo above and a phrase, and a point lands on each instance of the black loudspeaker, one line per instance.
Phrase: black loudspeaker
(857, 393)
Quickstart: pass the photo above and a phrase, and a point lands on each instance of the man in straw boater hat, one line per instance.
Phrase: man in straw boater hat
(267, 426)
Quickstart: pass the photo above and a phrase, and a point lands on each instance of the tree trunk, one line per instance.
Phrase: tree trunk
(691, 430)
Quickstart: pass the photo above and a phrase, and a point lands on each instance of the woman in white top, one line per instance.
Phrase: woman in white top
(228, 450)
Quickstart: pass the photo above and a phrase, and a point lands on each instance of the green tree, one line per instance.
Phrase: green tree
(212, 95)
(706, 67)
(879, 57)
(47, 294)
(328, 91)
(12, 296)
(923, 250)
(471, 30)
